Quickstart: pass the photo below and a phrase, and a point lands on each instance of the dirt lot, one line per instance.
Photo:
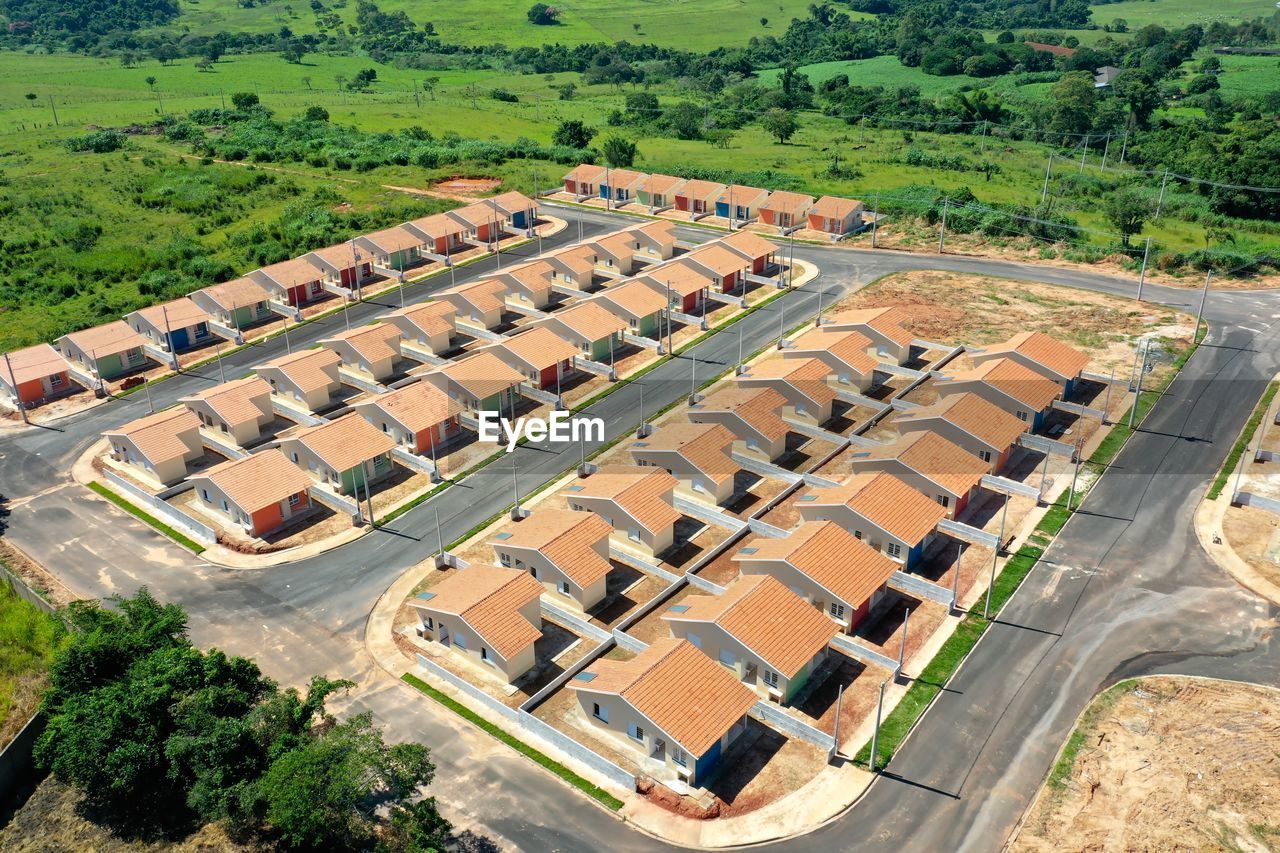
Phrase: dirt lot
(1167, 764)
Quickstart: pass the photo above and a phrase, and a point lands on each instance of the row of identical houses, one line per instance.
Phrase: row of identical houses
(740, 205)
(684, 699)
(157, 334)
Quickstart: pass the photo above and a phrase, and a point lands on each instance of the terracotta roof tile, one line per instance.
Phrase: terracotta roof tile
(31, 363)
(566, 538)
(643, 494)
(478, 213)
(487, 294)
(306, 368)
(346, 442)
(660, 230)
(342, 255)
(701, 190)
(620, 244)
(438, 225)
(535, 276)
(238, 401)
(539, 348)
(156, 435)
(932, 456)
(489, 598)
(585, 172)
(179, 314)
(684, 279)
(719, 259)
(757, 407)
(293, 272)
(590, 321)
(985, 421)
(690, 697)
(482, 374)
(258, 480)
(622, 177)
(886, 502)
(417, 406)
(376, 342)
(848, 346)
(749, 243)
(238, 293)
(740, 194)
(830, 556)
(789, 202)
(704, 446)
(432, 318)
(834, 207)
(780, 627)
(635, 298)
(107, 339)
(1063, 360)
(1021, 383)
(580, 258)
(513, 201)
(888, 321)
(807, 375)
(397, 238)
(660, 184)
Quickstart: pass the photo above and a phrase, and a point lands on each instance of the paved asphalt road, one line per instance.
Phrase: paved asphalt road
(1125, 589)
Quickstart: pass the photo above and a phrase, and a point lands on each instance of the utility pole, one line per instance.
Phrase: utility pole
(955, 576)
(1204, 294)
(1044, 193)
(1106, 149)
(875, 733)
(942, 235)
(17, 395)
(1075, 472)
(1160, 201)
(902, 646)
(1004, 514)
(1084, 151)
(875, 220)
(439, 532)
(1137, 394)
(670, 347)
(737, 370)
(1106, 401)
(1142, 278)
(55, 111)
(1124, 146)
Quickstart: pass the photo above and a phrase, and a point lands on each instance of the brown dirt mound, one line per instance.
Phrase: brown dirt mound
(468, 185)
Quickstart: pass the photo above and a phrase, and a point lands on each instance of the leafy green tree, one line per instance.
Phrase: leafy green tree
(642, 106)
(1127, 213)
(780, 124)
(619, 152)
(315, 113)
(416, 828)
(1139, 91)
(1202, 83)
(573, 133)
(684, 119)
(1073, 98)
(543, 15)
(244, 101)
(567, 91)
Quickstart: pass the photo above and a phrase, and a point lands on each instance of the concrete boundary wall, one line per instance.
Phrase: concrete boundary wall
(185, 523)
(576, 622)
(778, 719)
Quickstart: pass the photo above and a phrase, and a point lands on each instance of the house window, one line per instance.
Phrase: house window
(678, 756)
(857, 534)
(633, 322)
(984, 455)
(1024, 416)
(633, 533)
(504, 559)
(295, 500)
(600, 712)
(429, 623)
(563, 586)
(225, 507)
(893, 549)
(727, 658)
(484, 655)
(944, 500)
(460, 641)
(295, 457)
(315, 287)
(56, 380)
(837, 610)
(636, 732)
(771, 679)
(695, 639)
(204, 495)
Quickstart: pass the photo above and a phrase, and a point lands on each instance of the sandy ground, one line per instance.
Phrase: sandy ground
(1167, 764)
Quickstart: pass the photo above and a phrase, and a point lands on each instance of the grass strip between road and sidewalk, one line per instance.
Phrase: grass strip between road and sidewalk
(1242, 443)
(895, 727)
(142, 515)
(595, 792)
(1067, 758)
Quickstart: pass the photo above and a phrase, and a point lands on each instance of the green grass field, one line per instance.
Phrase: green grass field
(1249, 75)
(1180, 13)
(29, 638)
(884, 71)
(686, 24)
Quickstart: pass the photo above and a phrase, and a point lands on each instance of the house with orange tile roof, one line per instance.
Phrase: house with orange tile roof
(441, 233)
(616, 252)
(825, 565)
(930, 464)
(481, 221)
(844, 353)
(698, 198)
(727, 268)
(802, 382)
(235, 410)
(478, 302)
(372, 351)
(658, 192)
(753, 415)
(836, 216)
(345, 454)
(175, 326)
(686, 284)
(886, 328)
(772, 638)
(879, 509)
(638, 504)
(1017, 389)
(637, 303)
(574, 265)
(107, 351)
(584, 180)
(620, 186)
(347, 265)
(488, 615)
(697, 455)
(676, 708)
(740, 204)
(419, 417)
(786, 210)
(756, 249)
(520, 211)
(480, 382)
(236, 304)
(427, 327)
(308, 378)
(295, 282)
(35, 375)
(544, 357)
(161, 446)
(260, 493)
(655, 241)
(1045, 355)
(593, 331)
(982, 428)
(529, 284)
(396, 248)
(567, 552)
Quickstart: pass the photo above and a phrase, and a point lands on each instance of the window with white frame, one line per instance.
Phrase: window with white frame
(600, 712)
(893, 549)
(984, 455)
(678, 756)
(1024, 416)
(294, 500)
(944, 500)
(727, 658)
(771, 679)
(635, 732)
(504, 558)
(484, 655)
(837, 610)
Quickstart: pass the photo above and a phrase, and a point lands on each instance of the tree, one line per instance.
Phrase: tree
(293, 51)
(764, 22)
(684, 119)
(1073, 98)
(1202, 83)
(150, 81)
(618, 152)
(322, 794)
(315, 113)
(543, 15)
(573, 133)
(244, 101)
(567, 91)
(30, 96)
(1127, 213)
(416, 828)
(364, 78)
(780, 124)
(429, 85)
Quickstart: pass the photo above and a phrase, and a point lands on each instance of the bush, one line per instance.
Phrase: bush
(97, 142)
(503, 95)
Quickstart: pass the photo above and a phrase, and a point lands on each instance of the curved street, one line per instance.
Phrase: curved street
(1124, 590)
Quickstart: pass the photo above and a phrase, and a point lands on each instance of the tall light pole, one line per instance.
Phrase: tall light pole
(1142, 277)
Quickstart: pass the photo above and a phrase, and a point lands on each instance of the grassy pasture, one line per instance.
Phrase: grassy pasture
(884, 71)
(1180, 13)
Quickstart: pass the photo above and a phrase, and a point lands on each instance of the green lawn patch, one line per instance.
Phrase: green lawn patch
(1246, 435)
(141, 515)
(29, 639)
(594, 791)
